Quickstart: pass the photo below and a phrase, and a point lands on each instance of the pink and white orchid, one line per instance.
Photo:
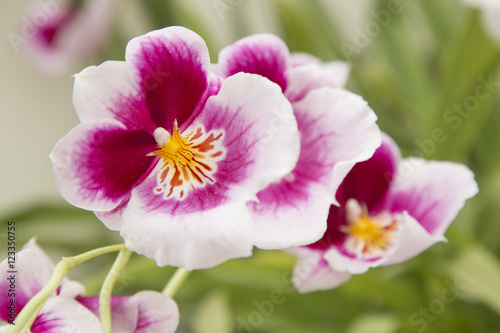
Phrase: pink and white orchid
(170, 154)
(59, 34)
(67, 311)
(390, 210)
(337, 130)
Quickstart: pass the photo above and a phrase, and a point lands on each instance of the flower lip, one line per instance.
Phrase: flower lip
(369, 237)
(188, 161)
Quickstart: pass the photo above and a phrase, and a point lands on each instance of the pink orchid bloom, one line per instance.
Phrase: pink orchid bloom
(170, 154)
(390, 211)
(68, 312)
(59, 34)
(337, 130)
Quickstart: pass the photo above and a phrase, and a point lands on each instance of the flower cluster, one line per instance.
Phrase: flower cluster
(196, 163)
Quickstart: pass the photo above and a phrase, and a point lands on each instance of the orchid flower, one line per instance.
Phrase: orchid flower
(67, 311)
(390, 210)
(58, 34)
(170, 154)
(337, 130)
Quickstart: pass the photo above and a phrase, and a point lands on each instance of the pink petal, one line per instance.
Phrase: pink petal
(312, 273)
(413, 240)
(107, 91)
(98, 162)
(124, 312)
(65, 315)
(294, 211)
(157, 313)
(171, 67)
(195, 241)
(306, 78)
(263, 54)
(368, 182)
(432, 192)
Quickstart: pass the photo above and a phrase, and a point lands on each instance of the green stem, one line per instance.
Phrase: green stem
(107, 288)
(29, 313)
(176, 282)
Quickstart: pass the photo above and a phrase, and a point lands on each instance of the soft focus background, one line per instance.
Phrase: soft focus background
(425, 67)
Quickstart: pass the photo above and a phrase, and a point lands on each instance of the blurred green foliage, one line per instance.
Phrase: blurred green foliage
(429, 58)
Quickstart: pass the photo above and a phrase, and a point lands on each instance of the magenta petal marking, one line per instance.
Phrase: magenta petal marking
(171, 67)
(47, 33)
(116, 161)
(97, 163)
(262, 54)
(332, 236)
(368, 182)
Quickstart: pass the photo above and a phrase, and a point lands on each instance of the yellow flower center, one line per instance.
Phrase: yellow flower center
(188, 162)
(370, 237)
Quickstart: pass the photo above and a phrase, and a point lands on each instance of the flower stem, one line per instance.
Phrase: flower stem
(176, 282)
(107, 288)
(29, 313)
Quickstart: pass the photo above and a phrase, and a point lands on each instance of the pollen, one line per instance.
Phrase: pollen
(368, 237)
(188, 161)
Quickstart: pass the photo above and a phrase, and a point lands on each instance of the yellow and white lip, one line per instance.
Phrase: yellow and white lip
(188, 161)
(369, 237)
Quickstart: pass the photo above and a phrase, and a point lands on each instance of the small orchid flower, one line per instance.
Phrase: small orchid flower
(169, 154)
(390, 210)
(337, 130)
(68, 311)
(58, 34)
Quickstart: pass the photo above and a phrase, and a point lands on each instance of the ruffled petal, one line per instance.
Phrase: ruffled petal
(65, 315)
(306, 78)
(263, 54)
(98, 162)
(195, 241)
(294, 211)
(413, 240)
(107, 91)
(368, 182)
(171, 67)
(432, 192)
(313, 273)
